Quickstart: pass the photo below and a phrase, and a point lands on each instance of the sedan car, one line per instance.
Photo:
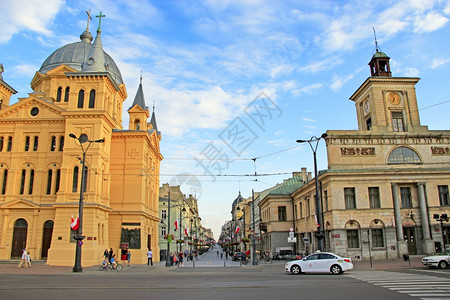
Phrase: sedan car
(323, 262)
(437, 261)
(238, 256)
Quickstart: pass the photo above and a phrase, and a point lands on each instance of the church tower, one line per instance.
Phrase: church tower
(5, 90)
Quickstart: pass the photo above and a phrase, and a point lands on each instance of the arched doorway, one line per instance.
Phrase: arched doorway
(19, 240)
(47, 238)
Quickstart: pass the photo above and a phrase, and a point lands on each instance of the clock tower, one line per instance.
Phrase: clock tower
(385, 103)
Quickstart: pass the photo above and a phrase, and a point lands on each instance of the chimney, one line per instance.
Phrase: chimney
(304, 176)
(309, 176)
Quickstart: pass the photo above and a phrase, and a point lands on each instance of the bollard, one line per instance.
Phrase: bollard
(193, 263)
(224, 263)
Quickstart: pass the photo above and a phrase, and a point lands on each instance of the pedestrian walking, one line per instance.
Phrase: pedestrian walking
(171, 258)
(106, 254)
(29, 259)
(23, 259)
(149, 256)
(175, 260)
(129, 256)
(180, 262)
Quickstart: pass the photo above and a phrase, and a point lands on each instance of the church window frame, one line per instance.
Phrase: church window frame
(75, 179)
(66, 94)
(58, 94)
(92, 99)
(61, 143)
(22, 182)
(53, 143)
(49, 181)
(27, 143)
(58, 180)
(31, 182)
(10, 142)
(2, 141)
(36, 143)
(4, 181)
(80, 99)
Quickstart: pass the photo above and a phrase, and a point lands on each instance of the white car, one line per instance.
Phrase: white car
(437, 261)
(322, 262)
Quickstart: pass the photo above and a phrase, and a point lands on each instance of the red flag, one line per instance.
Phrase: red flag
(74, 223)
(317, 223)
(176, 225)
(237, 230)
(186, 231)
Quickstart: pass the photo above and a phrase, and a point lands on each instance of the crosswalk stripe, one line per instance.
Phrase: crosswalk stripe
(416, 285)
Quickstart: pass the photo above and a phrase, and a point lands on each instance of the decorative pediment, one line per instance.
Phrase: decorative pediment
(137, 109)
(34, 108)
(20, 203)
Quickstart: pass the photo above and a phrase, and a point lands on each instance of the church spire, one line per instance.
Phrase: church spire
(139, 98)
(95, 61)
(153, 120)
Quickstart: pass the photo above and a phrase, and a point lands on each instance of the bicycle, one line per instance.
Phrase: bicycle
(109, 267)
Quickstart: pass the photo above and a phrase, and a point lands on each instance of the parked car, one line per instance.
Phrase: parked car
(321, 262)
(238, 256)
(437, 261)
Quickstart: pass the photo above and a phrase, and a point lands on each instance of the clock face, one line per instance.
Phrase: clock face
(366, 106)
(394, 98)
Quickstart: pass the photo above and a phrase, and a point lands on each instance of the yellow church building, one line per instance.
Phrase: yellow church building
(75, 112)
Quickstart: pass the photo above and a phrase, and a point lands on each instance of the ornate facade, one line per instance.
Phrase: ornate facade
(75, 111)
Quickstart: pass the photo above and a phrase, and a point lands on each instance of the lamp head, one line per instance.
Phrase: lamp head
(301, 141)
(436, 216)
(324, 135)
(73, 136)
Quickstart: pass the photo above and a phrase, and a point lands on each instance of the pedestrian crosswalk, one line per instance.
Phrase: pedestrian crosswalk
(416, 285)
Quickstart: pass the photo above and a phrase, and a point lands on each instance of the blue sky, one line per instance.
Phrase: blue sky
(205, 62)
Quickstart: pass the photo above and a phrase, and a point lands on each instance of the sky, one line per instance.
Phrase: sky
(236, 82)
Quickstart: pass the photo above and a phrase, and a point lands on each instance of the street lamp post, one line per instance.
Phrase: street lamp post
(441, 218)
(83, 138)
(168, 264)
(320, 234)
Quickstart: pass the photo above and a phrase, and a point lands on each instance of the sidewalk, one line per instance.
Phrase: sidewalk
(207, 260)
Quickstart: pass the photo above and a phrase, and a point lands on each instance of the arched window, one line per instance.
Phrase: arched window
(2, 139)
(1, 103)
(49, 182)
(66, 94)
(80, 99)
(5, 180)
(9, 144)
(61, 143)
(403, 155)
(137, 125)
(53, 144)
(36, 143)
(30, 188)
(58, 180)
(27, 143)
(22, 182)
(92, 99)
(58, 94)
(85, 179)
(75, 180)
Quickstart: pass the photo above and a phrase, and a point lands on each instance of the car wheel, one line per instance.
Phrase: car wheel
(442, 264)
(336, 270)
(296, 270)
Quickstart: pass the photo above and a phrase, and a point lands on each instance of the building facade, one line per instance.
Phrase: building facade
(386, 183)
(73, 118)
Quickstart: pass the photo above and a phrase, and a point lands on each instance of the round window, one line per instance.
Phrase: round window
(34, 111)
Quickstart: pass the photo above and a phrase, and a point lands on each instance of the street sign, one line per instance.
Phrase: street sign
(291, 234)
(306, 240)
(292, 240)
(291, 229)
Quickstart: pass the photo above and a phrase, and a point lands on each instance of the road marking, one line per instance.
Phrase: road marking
(415, 285)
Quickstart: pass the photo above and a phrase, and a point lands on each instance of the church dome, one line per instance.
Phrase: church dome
(379, 54)
(74, 54)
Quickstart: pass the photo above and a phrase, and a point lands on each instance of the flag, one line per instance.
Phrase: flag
(237, 230)
(186, 231)
(176, 225)
(317, 223)
(74, 223)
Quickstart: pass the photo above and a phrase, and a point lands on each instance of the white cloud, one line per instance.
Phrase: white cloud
(322, 65)
(411, 72)
(307, 89)
(338, 81)
(308, 120)
(32, 15)
(430, 22)
(438, 62)
(26, 70)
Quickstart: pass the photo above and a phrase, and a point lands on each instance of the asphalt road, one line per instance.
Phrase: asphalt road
(262, 282)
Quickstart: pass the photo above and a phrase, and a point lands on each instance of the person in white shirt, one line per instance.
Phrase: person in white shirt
(149, 255)
(24, 258)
